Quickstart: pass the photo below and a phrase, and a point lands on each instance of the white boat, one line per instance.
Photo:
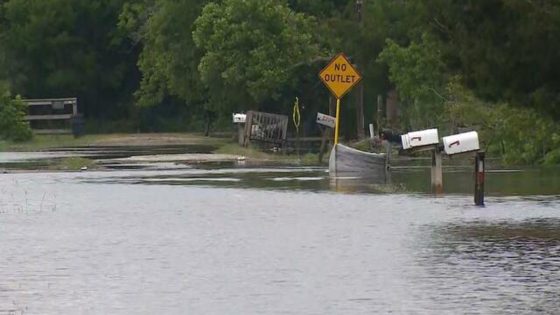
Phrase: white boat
(345, 161)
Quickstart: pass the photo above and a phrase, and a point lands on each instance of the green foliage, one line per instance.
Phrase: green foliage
(417, 70)
(318, 8)
(73, 163)
(518, 135)
(12, 113)
(503, 49)
(250, 48)
(169, 58)
(553, 156)
(63, 48)
(419, 73)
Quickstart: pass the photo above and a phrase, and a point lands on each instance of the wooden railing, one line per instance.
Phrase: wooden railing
(55, 115)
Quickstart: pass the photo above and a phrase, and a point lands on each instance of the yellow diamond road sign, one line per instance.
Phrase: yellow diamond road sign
(340, 76)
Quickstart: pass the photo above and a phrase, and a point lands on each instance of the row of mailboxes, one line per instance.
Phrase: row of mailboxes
(427, 139)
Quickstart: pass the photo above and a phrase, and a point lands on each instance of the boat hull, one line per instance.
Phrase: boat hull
(349, 162)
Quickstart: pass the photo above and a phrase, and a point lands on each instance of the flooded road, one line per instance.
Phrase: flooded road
(239, 239)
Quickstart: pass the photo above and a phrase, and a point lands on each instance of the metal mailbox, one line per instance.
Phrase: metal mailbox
(419, 139)
(326, 120)
(461, 143)
(239, 118)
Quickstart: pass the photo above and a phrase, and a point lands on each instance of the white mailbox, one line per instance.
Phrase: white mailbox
(418, 139)
(326, 120)
(239, 118)
(461, 143)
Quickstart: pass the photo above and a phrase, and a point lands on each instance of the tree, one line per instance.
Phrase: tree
(169, 57)
(69, 48)
(420, 75)
(250, 50)
(502, 49)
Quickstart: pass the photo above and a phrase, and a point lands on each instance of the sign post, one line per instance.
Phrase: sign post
(339, 76)
(337, 125)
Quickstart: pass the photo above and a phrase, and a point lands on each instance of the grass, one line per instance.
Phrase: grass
(276, 157)
(72, 164)
(43, 142)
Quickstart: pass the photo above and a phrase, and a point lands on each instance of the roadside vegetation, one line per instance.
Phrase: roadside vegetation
(45, 142)
(186, 66)
(72, 164)
(12, 113)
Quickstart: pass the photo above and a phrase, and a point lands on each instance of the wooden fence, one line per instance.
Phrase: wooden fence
(265, 127)
(50, 116)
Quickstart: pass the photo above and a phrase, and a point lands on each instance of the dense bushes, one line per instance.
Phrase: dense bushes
(518, 135)
(12, 113)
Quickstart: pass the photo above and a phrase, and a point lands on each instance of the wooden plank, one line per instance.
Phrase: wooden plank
(49, 117)
(49, 101)
(51, 131)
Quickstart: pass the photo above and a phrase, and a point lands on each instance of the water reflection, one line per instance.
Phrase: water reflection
(512, 183)
(364, 185)
(502, 265)
(529, 181)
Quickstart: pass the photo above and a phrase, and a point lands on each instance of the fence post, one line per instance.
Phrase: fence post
(479, 174)
(248, 128)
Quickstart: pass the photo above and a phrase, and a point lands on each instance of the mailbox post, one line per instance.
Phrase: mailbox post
(437, 172)
(427, 140)
(479, 175)
(326, 123)
(239, 119)
(464, 143)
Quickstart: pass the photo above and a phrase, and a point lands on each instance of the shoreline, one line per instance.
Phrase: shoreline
(100, 152)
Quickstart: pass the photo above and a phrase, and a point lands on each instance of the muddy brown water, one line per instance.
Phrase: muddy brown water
(232, 238)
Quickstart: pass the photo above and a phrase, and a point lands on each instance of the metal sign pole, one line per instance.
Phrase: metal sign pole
(337, 121)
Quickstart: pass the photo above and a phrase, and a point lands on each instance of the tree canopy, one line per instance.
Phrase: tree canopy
(68, 48)
(273, 38)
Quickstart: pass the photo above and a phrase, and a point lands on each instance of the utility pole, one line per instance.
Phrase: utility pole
(379, 116)
(360, 65)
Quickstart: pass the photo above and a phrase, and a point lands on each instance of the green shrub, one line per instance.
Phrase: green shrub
(12, 118)
(519, 135)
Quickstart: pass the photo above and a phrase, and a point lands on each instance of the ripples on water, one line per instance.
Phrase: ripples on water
(497, 266)
(268, 241)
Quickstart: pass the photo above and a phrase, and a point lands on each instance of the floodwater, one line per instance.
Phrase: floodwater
(244, 239)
